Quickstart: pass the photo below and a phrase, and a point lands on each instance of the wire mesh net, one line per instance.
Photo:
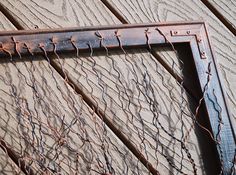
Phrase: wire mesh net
(104, 113)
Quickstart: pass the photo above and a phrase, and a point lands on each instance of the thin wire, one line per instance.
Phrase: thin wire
(58, 133)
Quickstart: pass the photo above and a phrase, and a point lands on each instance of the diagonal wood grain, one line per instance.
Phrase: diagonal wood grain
(224, 42)
(115, 90)
(227, 8)
(62, 13)
(7, 166)
(82, 13)
(44, 109)
(25, 92)
(5, 24)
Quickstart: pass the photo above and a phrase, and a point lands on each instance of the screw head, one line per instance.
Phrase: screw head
(175, 32)
(203, 54)
(199, 40)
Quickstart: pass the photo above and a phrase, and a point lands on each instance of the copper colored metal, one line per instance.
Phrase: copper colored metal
(18, 43)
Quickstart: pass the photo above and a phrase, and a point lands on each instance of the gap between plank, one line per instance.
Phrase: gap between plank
(124, 21)
(91, 104)
(10, 17)
(115, 12)
(153, 52)
(106, 120)
(16, 158)
(219, 16)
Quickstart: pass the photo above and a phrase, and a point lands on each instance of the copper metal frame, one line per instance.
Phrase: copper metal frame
(18, 43)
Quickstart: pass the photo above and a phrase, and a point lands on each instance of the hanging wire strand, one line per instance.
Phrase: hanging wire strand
(58, 133)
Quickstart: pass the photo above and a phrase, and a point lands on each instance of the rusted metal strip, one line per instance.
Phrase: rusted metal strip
(17, 43)
(25, 42)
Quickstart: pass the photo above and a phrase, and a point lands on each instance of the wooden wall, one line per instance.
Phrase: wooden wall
(30, 14)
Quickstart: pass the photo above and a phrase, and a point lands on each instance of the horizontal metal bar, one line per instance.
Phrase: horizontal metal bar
(18, 43)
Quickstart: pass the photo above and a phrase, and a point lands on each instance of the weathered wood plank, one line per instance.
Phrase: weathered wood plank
(224, 41)
(42, 113)
(102, 83)
(55, 14)
(7, 166)
(33, 95)
(113, 84)
(226, 8)
(5, 24)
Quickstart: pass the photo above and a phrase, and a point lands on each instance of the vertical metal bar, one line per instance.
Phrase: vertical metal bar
(216, 107)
